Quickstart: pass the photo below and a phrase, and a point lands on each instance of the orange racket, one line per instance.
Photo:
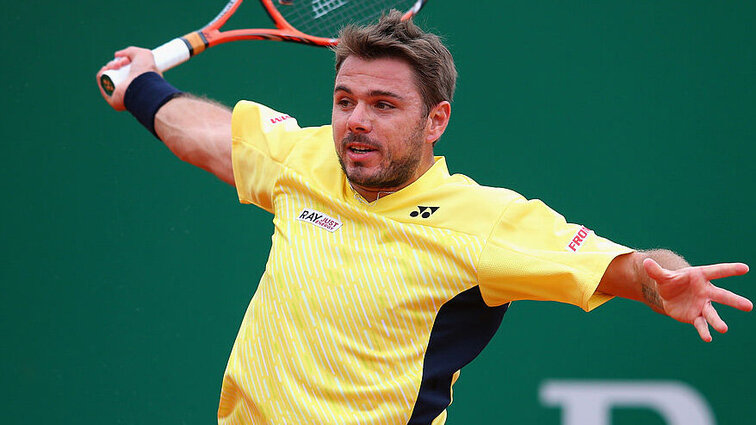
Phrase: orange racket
(314, 22)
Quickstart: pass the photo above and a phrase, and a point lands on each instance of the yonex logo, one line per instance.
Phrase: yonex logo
(423, 212)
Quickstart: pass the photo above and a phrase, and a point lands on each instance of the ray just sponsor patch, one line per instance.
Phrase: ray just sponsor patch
(319, 219)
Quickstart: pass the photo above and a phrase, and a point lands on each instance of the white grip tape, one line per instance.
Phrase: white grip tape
(170, 54)
(167, 56)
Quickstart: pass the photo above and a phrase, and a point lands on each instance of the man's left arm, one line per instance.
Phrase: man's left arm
(669, 285)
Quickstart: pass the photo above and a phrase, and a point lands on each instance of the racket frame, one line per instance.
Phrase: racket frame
(181, 49)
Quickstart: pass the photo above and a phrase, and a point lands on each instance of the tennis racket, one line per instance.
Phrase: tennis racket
(314, 22)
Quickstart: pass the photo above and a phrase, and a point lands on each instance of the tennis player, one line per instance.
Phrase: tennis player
(387, 274)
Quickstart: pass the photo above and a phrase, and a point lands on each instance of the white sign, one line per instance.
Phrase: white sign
(591, 402)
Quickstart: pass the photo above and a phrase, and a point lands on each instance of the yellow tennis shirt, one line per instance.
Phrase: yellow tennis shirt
(366, 312)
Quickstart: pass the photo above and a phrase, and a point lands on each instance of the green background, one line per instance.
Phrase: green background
(125, 272)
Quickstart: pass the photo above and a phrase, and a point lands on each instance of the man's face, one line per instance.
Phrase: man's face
(379, 124)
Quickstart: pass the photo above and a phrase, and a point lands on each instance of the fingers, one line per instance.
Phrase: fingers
(719, 271)
(712, 317)
(140, 60)
(124, 57)
(116, 63)
(130, 52)
(709, 316)
(703, 328)
(694, 293)
(723, 296)
(115, 99)
(655, 271)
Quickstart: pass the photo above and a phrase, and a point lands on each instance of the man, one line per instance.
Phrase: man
(387, 275)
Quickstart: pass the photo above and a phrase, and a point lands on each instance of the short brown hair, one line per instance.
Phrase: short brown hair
(430, 60)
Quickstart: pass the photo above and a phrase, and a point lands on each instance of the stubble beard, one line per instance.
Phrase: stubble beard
(395, 173)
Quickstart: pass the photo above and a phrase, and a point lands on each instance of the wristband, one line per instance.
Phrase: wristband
(145, 95)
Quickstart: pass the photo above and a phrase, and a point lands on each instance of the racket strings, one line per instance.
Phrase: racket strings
(324, 18)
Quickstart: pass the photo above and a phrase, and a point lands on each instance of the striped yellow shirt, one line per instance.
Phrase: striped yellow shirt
(367, 311)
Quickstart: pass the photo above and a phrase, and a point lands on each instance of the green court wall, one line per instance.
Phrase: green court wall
(125, 272)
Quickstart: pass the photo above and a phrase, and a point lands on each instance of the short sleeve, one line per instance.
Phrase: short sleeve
(262, 139)
(532, 253)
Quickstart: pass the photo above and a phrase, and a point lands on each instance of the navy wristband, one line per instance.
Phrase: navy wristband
(145, 95)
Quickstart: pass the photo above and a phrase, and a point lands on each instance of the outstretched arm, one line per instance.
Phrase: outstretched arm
(671, 286)
(198, 131)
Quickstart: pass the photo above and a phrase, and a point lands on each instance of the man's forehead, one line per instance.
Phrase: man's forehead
(389, 75)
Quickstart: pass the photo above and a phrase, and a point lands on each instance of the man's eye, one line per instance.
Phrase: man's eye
(343, 103)
(384, 105)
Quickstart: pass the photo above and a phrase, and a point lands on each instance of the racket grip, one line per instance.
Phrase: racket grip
(167, 56)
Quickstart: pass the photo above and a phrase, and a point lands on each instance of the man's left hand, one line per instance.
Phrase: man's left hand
(687, 294)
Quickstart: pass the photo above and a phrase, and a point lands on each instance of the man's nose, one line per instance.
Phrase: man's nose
(359, 120)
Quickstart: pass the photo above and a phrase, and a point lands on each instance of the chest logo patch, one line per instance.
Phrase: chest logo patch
(319, 219)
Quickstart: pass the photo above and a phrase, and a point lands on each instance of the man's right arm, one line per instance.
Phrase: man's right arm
(197, 131)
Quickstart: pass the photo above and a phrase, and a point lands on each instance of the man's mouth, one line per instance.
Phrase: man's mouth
(362, 154)
(360, 149)
(359, 146)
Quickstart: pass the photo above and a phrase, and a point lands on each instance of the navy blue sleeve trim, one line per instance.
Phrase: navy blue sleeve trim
(145, 95)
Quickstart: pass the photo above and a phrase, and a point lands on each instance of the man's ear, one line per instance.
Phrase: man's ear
(438, 119)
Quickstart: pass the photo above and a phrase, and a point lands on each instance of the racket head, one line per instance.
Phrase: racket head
(313, 21)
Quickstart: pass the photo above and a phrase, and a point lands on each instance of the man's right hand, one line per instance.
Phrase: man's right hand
(141, 61)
